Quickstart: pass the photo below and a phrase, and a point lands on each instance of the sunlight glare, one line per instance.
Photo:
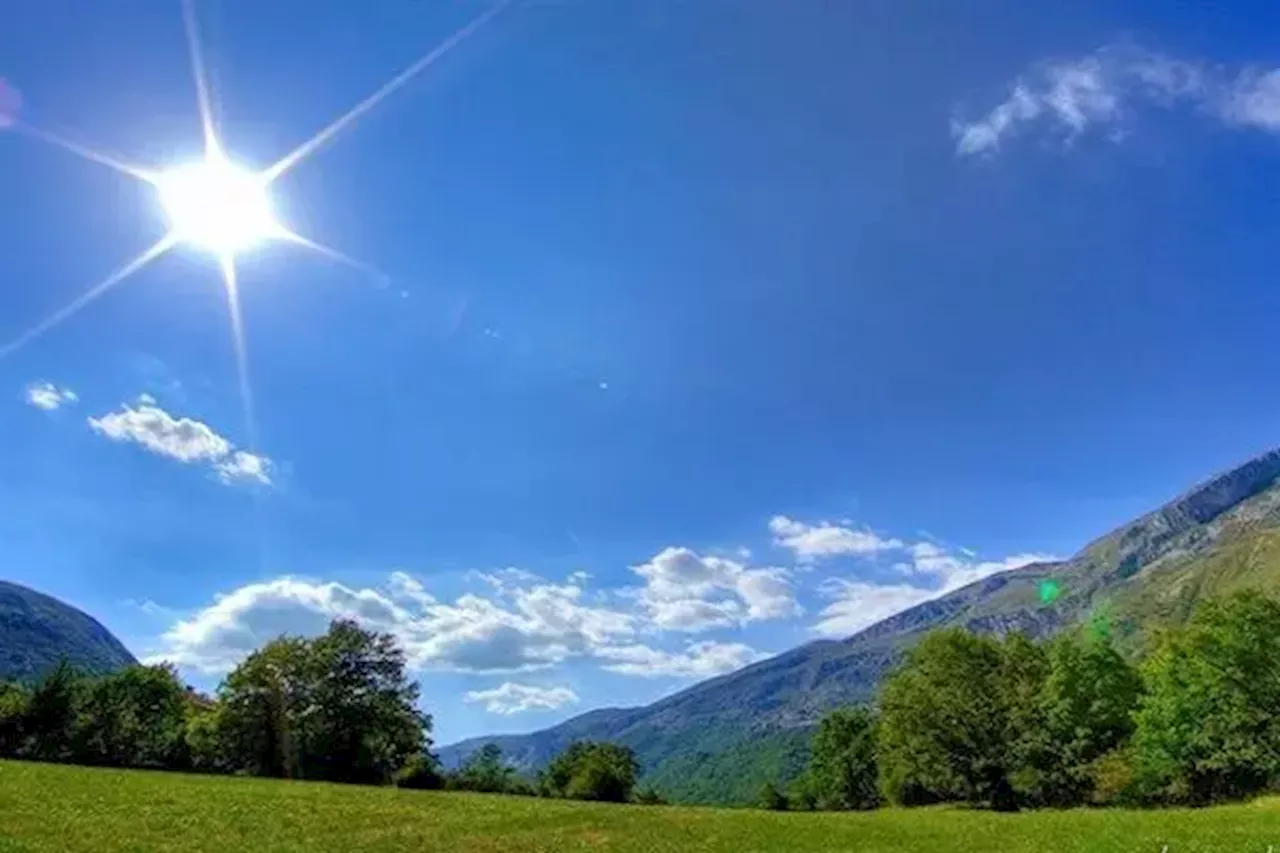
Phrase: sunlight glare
(218, 206)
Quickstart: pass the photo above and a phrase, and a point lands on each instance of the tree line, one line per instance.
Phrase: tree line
(1007, 723)
(338, 707)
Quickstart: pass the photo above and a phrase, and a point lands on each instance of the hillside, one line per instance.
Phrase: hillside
(37, 630)
(719, 740)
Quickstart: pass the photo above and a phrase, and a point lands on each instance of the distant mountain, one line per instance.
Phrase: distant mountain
(719, 740)
(37, 630)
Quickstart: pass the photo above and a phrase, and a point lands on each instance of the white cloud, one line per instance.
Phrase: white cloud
(810, 541)
(47, 396)
(1103, 89)
(858, 604)
(512, 698)
(953, 572)
(538, 625)
(698, 660)
(686, 591)
(181, 439)
(243, 465)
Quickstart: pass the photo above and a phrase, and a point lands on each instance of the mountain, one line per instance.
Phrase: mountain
(719, 740)
(37, 630)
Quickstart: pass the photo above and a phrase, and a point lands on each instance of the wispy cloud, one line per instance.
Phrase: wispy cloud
(1100, 91)
(826, 539)
(929, 570)
(47, 396)
(181, 439)
(698, 660)
(512, 698)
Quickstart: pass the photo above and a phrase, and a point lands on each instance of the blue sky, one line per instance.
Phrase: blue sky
(706, 328)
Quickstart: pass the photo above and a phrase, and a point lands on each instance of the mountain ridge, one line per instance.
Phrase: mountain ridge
(38, 630)
(1222, 533)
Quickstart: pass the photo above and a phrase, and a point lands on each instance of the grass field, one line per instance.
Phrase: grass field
(48, 808)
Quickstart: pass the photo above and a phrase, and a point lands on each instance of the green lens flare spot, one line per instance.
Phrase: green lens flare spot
(1049, 591)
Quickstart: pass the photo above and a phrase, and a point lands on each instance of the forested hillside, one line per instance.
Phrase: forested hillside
(719, 740)
(37, 631)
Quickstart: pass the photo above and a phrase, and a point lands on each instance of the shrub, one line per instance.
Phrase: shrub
(420, 773)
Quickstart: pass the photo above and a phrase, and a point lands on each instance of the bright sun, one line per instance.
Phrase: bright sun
(218, 206)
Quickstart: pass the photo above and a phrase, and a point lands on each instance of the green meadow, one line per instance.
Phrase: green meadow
(65, 808)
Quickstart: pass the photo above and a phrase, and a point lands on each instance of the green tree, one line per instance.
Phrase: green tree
(592, 770)
(649, 796)
(843, 760)
(484, 770)
(135, 717)
(1024, 670)
(204, 736)
(13, 712)
(943, 724)
(421, 772)
(264, 707)
(1208, 727)
(771, 798)
(49, 725)
(1088, 702)
(363, 724)
(802, 794)
(338, 707)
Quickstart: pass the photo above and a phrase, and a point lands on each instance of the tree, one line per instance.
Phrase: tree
(843, 760)
(1024, 669)
(943, 724)
(338, 707)
(771, 798)
(484, 770)
(422, 773)
(364, 723)
(204, 736)
(592, 770)
(802, 795)
(48, 727)
(264, 705)
(649, 796)
(1088, 701)
(13, 712)
(1207, 727)
(135, 717)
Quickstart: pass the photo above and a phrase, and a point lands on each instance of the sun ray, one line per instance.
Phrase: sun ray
(378, 275)
(161, 246)
(296, 155)
(197, 71)
(84, 151)
(228, 264)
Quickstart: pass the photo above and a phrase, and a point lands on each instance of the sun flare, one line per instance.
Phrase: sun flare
(212, 203)
(218, 206)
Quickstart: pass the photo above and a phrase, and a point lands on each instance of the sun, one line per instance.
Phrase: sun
(213, 203)
(216, 205)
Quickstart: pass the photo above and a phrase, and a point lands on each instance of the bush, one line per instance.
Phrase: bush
(589, 770)
(647, 796)
(771, 798)
(1114, 780)
(420, 773)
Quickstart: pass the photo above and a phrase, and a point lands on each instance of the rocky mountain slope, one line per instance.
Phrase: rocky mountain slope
(720, 739)
(37, 630)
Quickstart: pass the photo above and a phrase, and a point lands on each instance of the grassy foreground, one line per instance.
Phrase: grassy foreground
(47, 808)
